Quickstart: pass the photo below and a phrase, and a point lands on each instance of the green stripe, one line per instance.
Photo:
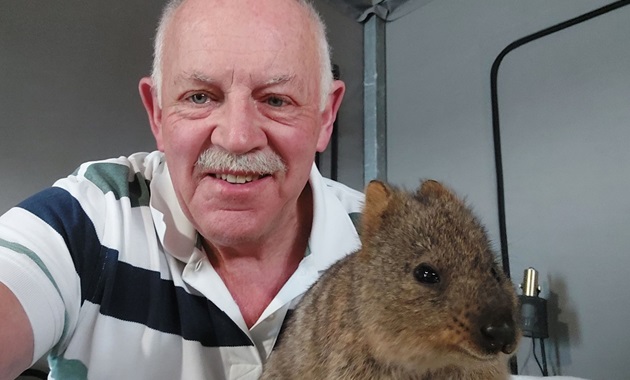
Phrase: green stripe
(19, 248)
(110, 177)
(31, 255)
(67, 369)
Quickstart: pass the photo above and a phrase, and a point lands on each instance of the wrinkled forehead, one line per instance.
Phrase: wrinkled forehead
(267, 34)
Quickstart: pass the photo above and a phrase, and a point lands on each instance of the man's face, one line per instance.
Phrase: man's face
(241, 77)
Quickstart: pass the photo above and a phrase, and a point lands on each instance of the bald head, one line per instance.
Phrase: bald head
(303, 13)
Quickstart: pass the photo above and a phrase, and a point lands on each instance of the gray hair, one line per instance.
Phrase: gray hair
(325, 66)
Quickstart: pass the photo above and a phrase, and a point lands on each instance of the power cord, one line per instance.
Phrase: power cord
(543, 367)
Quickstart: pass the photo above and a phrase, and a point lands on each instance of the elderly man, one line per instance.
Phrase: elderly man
(182, 263)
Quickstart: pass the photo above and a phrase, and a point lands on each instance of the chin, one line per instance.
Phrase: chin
(233, 231)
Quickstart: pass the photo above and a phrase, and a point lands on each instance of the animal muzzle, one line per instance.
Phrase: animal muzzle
(497, 334)
(499, 337)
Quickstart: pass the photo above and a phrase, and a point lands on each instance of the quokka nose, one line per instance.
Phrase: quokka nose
(499, 336)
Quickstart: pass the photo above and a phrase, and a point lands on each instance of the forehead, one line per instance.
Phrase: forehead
(241, 34)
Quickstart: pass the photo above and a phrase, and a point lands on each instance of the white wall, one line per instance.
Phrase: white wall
(565, 127)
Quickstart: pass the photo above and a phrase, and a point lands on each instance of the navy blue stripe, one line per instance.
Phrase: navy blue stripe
(64, 214)
(127, 292)
(140, 295)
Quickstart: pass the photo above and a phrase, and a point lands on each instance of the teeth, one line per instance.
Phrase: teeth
(231, 178)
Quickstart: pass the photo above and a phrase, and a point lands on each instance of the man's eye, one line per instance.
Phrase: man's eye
(199, 98)
(275, 101)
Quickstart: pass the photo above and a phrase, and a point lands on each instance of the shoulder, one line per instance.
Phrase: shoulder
(95, 194)
(122, 176)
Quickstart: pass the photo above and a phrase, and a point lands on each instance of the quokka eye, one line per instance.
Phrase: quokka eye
(425, 274)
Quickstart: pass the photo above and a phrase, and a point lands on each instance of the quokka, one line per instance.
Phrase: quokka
(422, 299)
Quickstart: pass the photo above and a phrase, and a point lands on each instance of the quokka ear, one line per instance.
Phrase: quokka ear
(431, 189)
(377, 197)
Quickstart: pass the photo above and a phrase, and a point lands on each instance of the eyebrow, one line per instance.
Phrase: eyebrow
(199, 77)
(279, 80)
(195, 77)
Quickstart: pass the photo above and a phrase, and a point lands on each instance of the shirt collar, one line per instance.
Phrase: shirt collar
(333, 236)
(176, 233)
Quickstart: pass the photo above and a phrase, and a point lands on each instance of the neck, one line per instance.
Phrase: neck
(255, 273)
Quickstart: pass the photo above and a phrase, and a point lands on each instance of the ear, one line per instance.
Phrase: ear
(434, 189)
(329, 114)
(152, 106)
(377, 197)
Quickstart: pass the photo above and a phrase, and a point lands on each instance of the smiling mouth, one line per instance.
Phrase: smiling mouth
(239, 179)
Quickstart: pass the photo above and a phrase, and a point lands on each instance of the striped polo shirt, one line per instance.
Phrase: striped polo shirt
(116, 286)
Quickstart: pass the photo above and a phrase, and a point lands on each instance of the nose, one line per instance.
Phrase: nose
(239, 126)
(498, 335)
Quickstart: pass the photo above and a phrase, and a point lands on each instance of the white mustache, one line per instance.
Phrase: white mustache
(217, 160)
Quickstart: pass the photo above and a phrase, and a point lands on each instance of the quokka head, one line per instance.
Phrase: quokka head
(431, 291)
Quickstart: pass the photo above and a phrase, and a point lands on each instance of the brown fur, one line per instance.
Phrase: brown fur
(370, 317)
